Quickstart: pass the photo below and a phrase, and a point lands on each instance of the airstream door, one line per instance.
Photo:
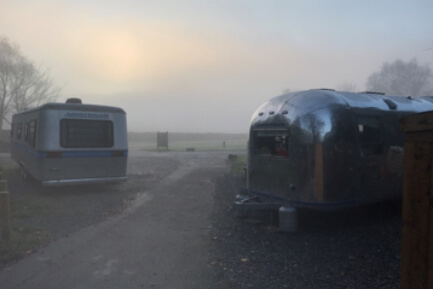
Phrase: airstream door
(269, 164)
(378, 145)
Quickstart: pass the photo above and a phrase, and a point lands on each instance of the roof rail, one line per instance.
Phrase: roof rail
(74, 100)
(372, 92)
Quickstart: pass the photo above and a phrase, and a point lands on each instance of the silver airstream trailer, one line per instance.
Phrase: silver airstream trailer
(326, 149)
(71, 143)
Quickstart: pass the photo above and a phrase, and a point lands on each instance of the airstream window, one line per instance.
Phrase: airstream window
(80, 133)
(271, 143)
(370, 135)
(32, 133)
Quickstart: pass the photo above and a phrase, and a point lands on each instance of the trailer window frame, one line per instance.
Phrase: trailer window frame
(26, 131)
(31, 134)
(19, 130)
(12, 130)
(370, 132)
(271, 143)
(86, 133)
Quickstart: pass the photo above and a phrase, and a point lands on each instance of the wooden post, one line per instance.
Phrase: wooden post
(4, 212)
(417, 231)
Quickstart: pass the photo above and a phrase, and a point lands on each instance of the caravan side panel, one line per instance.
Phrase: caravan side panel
(74, 144)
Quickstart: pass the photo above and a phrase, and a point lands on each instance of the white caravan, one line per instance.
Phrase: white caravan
(71, 143)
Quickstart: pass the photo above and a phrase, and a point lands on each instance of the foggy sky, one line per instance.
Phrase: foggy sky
(205, 66)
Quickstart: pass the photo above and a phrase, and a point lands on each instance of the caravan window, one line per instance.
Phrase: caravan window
(370, 135)
(31, 137)
(271, 143)
(80, 133)
(25, 132)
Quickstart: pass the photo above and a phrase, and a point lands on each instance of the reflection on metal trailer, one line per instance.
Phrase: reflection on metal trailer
(71, 143)
(326, 149)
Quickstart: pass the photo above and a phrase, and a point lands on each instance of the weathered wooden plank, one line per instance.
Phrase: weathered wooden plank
(430, 235)
(417, 122)
(421, 136)
(5, 226)
(416, 192)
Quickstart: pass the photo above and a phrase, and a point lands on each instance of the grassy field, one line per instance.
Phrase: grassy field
(183, 141)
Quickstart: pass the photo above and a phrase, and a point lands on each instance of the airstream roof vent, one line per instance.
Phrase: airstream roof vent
(74, 100)
(373, 92)
(391, 104)
(410, 97)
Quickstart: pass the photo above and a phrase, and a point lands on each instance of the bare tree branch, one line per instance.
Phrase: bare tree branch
(22, 85)
(402, 79)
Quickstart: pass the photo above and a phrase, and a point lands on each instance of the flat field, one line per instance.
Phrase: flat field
(183, 141)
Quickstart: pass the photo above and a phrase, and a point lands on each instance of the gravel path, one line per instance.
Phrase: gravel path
(63, 210)
(358, 248)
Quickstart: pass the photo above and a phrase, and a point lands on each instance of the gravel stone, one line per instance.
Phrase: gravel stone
(354, 248)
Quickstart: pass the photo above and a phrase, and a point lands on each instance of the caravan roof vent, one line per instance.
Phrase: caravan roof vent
(74, 100)
(391, 104)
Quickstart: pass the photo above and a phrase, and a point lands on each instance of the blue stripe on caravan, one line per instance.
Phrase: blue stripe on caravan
(86, 154)
(31, 151)
(70, 154)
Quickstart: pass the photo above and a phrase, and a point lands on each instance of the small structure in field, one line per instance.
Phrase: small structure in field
(162, 140)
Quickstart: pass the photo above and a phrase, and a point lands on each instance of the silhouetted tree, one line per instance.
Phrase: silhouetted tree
(22, 85)
(403, 79)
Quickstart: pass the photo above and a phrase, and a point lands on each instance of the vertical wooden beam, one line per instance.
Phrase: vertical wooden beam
(430, 234)
(4, 212)
(415, 227)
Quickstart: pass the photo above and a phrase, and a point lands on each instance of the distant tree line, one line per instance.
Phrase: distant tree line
(402, 79)
(398, 78)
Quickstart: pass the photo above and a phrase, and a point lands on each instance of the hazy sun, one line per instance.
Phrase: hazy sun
(115, 55)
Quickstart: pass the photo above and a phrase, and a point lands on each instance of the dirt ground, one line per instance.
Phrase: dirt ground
(63, 210)
(151, 231)
(358, 248)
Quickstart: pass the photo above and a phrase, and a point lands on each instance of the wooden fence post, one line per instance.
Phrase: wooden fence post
(4, 212)
(417, 209)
